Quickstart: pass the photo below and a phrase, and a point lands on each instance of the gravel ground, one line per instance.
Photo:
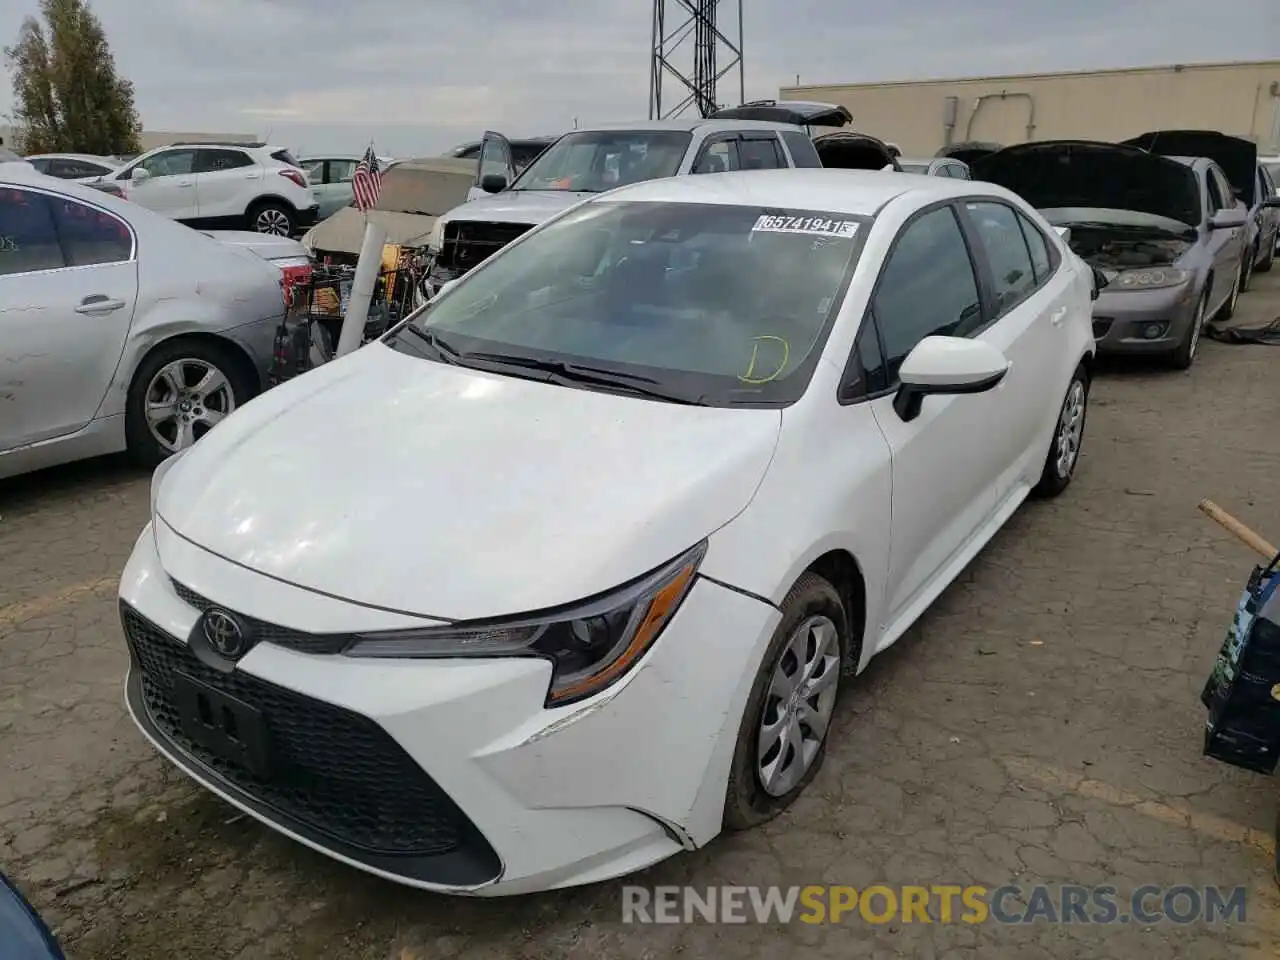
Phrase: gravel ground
(1041, 724)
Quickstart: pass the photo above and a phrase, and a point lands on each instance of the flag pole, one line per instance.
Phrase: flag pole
(368, 267)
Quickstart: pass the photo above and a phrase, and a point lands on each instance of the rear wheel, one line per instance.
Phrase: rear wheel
(273, 218)
(782, 738)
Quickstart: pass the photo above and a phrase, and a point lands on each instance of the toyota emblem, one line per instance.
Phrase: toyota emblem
(224, 633)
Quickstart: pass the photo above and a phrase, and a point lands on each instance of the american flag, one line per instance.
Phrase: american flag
(367, 181)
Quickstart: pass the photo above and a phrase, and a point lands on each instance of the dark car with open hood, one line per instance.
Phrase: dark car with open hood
(23, 935)
(1167, 235)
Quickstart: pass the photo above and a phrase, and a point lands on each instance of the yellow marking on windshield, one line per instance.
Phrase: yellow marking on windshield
(749, 376)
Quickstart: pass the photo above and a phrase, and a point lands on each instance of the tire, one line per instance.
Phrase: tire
(749, 799)
(1270, 258)
(1185, 353)
(273, 217)
(1068, 437)
(1246, 268)
(181, 413)
(1228, 309)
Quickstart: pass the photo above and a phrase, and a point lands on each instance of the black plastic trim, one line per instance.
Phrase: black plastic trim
(909, 399)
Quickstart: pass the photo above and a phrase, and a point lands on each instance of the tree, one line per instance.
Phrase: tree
(67, 94)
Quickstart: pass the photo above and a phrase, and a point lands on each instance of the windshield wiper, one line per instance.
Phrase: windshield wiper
(447, 353)
(562, 372)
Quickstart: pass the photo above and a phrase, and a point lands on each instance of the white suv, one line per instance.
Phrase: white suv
(251, 186)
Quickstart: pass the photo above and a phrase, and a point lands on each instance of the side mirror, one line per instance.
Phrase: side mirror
(493, 183)
(946, 366)
(139, 174)
(1229, 219)
(1100, 282)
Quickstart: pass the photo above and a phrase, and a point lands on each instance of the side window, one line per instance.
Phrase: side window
(90, 235)
(1041, 262)
(761, 154)
(927, 287)
(216, 161)
(523, 153)
(169, 163)
(314, 170)
(341, 170)
(1217, 197)
(28, 236)
(42, 165)
(959, 171)
(1225, 188)
(717, 156)
(803, 153)
(1007, 252)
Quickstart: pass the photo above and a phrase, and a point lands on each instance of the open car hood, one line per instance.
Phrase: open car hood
(1237, 157)
(802, 113)
(1053, 174)
(969, 150)
(849, 150)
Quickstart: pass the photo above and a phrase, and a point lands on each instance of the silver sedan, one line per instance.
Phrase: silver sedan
(119, 328)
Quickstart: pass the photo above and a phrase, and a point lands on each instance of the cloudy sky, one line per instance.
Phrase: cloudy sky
(418, 76)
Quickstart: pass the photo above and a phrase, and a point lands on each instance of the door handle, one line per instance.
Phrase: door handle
(253, 176)
(99, 303)
(1058, 316)
(186, 183)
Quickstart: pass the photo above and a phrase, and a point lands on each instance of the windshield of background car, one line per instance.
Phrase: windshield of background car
(909, 167)
(594, 161)
(713, 304)
(1274, 170)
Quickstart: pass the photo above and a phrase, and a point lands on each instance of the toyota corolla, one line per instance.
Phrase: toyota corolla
(608, 525)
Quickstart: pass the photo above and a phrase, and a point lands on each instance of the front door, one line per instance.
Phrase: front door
(945, 461)
(170, 188)
(77, 262)
(496, 159)
(226, 182)
(1226, 245)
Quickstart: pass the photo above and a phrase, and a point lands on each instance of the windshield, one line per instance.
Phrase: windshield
(595, 160)
(701, 303)
(1274, 170)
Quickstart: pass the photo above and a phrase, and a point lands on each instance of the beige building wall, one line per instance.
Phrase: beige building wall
(1242, 99)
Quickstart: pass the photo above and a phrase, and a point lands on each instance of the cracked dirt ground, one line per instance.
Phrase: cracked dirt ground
(1040, 724)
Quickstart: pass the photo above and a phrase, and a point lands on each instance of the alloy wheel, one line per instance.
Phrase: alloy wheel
(1071, 429)
(272, 222)
(798, 705)
(1197, 327)
(185, 400)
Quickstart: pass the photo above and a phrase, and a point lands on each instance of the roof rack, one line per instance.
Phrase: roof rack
(253, 145)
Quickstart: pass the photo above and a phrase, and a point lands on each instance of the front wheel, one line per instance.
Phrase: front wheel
(1068, 435)
(1185, 354)
(1246, 268)
(782, 738)
(179, 393)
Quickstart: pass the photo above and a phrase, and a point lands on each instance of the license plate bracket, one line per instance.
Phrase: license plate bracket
(225, 726)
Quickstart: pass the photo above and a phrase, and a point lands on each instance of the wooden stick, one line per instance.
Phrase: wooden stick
(1233, 526)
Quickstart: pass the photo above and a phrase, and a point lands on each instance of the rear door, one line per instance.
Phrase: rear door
(226, 182)
(79, 263)
(1028, 317)
(496, 158)
(171, 187)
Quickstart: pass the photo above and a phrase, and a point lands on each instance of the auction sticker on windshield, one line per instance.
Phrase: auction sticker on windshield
(819, 226)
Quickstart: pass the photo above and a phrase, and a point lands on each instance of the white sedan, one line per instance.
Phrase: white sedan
(604, 531)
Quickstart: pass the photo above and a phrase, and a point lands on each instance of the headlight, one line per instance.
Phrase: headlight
(436, 240)
(164, 467)
(1152, 279)
(590, 645)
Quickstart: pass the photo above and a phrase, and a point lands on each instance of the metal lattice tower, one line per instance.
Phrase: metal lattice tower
(681, 27)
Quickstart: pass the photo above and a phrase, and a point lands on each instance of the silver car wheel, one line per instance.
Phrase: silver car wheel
(185, 400)
(1235, 291)
(271, 221)
(1197, 325)
(1071, 429)
(798, 705)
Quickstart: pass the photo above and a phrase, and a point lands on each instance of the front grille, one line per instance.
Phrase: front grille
(260, 630)
(333, 771)
(467, 244)
(1101, 327)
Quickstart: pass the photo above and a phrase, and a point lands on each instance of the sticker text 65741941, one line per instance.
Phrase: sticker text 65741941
(814, 226)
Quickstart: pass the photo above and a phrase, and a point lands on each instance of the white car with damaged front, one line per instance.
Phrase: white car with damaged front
(606, 528)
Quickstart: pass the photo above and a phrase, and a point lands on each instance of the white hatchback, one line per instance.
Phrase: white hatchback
(606, 528)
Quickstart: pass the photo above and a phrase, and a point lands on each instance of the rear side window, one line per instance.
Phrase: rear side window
(284, 156)
(28, 235)
(803, 153)
(762, 154)
(90, 235)
(42, 165)
(1041, 262)
(215, 161)
(1007, 252)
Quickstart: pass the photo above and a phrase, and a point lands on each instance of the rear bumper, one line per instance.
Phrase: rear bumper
(308, 216)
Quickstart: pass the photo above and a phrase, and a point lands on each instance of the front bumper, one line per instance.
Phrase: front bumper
(1120, 320)
(448, 775)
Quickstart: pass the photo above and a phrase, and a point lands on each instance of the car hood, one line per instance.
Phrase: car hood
(1082, 173)
(449, 493)
(517, 206)
(1237, 157)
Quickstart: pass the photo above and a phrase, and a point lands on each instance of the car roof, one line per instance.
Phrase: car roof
(688, 125)
(852, 192)
(94, 157)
